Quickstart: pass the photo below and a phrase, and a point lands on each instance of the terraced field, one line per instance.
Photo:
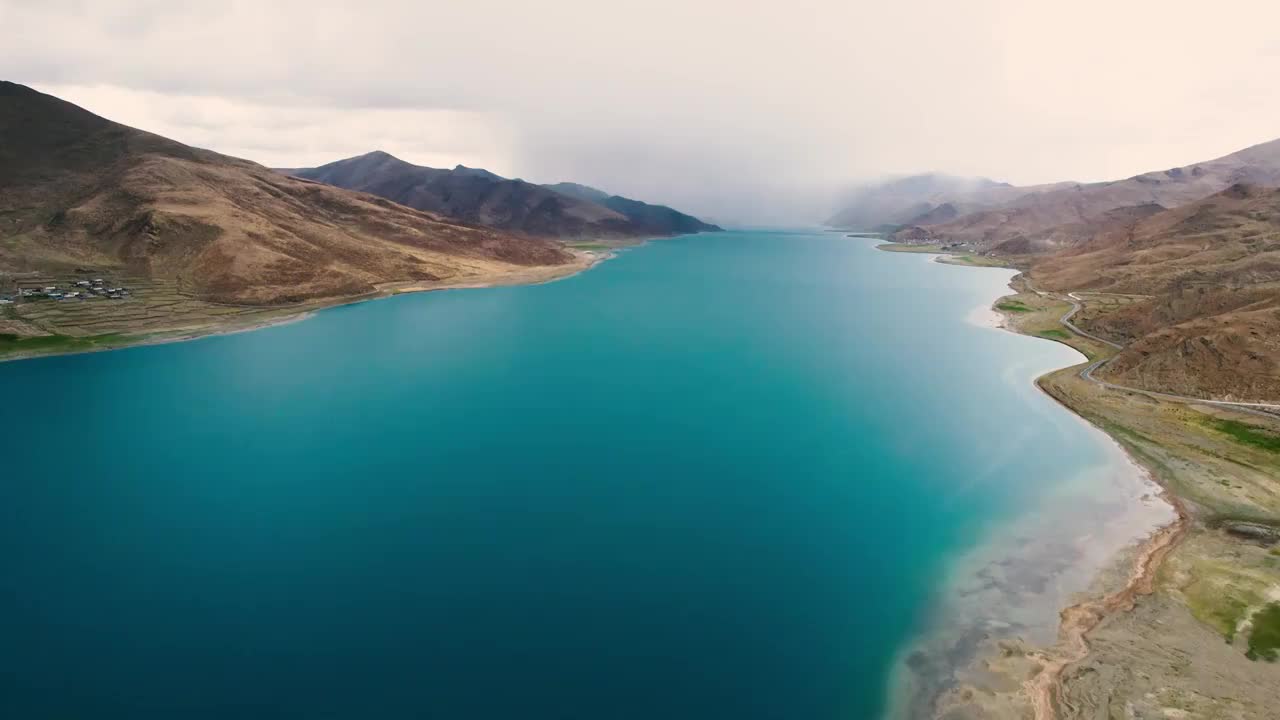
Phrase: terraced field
(156, 310)
(153, 306)
(1098, 305)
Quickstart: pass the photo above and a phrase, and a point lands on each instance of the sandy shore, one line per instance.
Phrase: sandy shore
(1019, 607)
(985, 316)
(1168, 628)
(1044, 689)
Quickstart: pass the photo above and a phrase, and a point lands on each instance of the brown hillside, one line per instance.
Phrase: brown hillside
(1211, 324)
(79, 190)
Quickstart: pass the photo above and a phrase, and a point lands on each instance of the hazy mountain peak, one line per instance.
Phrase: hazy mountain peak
(901, 200)
(1062, 215)
(479, 172)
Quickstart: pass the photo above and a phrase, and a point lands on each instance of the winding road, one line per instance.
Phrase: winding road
(1270, 410)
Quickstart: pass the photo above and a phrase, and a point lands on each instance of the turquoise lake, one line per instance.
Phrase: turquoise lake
(721, 476)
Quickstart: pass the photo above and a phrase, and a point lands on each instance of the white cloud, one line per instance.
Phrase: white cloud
(736, 108)
(301, 136)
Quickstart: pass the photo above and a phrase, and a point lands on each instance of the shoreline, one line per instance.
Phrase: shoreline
(1138, 563)
(1044, 689)
(1076, 621)
(1041, 692)
(536, 275)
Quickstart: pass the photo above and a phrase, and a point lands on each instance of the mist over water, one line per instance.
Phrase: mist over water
(733, 475)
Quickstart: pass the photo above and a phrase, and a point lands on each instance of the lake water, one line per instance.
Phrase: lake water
(734, 475)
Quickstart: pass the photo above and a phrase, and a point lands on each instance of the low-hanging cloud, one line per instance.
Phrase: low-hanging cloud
(748, 112)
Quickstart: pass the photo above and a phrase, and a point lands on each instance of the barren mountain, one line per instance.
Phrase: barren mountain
(645, 219)
(480, 197)
(1209, 271)
(1028, 222)
(79, 190)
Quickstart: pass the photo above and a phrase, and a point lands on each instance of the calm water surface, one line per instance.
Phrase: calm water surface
(717, 477)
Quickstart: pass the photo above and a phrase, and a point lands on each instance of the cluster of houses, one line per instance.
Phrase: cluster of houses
(81, 290)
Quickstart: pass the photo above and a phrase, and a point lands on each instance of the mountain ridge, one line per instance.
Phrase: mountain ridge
(480, 197)
(78, 189)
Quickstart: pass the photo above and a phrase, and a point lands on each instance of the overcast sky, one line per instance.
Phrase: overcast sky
(747, 112)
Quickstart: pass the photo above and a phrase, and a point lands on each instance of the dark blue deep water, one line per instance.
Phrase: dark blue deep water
(716, 477)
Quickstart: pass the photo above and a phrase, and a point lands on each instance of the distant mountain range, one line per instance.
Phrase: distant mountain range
(921, 199)
(1195, 250)
(77, 190)
(479, 197)
(1041, 218)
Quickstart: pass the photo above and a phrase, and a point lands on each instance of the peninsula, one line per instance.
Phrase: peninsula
(207, 243)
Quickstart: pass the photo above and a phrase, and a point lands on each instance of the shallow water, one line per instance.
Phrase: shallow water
(730, 475)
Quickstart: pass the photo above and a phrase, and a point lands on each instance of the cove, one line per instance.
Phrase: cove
(727, 475)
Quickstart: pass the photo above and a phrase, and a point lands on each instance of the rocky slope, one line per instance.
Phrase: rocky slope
(79, 190)
(482, 198)
(1208, 321)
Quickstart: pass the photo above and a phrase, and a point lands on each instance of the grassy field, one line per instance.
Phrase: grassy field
(40, 344)
(1012, 306)
(976, 260)
(1222, 594)
(1264, 638)
(1246, 434)
(909, 248)
(1230, 588)
(1040, 315)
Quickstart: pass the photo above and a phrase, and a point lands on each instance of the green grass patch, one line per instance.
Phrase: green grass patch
(1264, 639)
(1245, 434)
(590, 246)
(1013, 306)
(978, 261)
(10, 343)
(909, 248)
(1055, 334)
(1218, 605)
